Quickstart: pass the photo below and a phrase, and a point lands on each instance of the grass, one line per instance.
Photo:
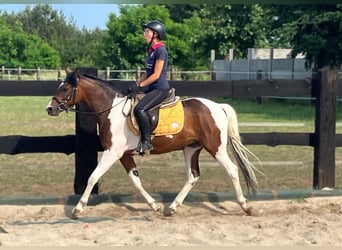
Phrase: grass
(286, 167)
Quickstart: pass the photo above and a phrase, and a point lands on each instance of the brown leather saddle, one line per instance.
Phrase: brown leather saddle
(153, 113)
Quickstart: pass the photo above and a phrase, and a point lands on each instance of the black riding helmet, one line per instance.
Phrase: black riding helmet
(158, 27)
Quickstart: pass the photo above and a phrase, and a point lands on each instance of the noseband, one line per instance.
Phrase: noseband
(63, 105)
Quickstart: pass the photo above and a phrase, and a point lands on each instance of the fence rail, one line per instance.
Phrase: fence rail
(315, 89)
(18, 144)
(174, 74)
(22, 74)
(237, 89)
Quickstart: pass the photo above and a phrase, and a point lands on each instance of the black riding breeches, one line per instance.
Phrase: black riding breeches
(150, 100)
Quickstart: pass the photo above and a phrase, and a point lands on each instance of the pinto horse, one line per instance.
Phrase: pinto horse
(207, 125)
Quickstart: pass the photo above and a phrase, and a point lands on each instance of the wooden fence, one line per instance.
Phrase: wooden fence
(324, 87)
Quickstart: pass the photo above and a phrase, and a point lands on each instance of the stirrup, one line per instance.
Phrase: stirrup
(143, 148)
(138, 150)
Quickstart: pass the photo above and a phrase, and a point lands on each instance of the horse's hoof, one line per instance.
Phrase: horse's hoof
(77, 214)
(157, 209)
(248, 211)
(169, 212)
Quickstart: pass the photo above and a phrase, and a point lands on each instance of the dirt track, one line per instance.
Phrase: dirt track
(313, 221)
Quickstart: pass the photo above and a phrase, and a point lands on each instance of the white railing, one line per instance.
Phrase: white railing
(129, 75)
(107, 74)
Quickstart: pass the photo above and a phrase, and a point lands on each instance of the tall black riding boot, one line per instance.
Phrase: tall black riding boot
(145, 145)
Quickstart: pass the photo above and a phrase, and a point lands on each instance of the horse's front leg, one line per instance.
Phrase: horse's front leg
(129, 164)
(107, 160)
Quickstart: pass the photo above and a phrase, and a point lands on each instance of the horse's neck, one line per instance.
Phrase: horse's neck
(105, 105)
(97, 99)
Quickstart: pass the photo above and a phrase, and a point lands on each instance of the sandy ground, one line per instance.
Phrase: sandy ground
(309, 222)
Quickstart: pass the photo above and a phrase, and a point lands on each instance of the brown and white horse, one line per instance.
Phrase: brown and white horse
(207, 125)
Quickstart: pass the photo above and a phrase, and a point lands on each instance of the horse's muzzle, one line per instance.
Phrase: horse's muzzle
(52, 111)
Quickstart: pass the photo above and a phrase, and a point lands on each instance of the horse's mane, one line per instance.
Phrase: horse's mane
(72, 79)
(106, 84)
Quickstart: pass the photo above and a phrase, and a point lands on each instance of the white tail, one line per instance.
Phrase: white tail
(241, 153)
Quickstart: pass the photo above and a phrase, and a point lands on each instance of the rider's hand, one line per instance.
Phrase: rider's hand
(134, 89)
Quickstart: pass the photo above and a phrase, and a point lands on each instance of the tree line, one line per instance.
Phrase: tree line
(40, 36)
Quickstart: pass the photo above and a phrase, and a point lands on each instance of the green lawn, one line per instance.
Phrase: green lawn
(286, 167)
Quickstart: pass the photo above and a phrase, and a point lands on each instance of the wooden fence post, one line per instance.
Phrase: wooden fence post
(138, 74)
(108, 73)
(172, 74)
(38, 74)
(249, 63)
(86, 144)
(259, 77)
(19, 74)
(212, 59)
(270, 64)
(230, 58)
(325, 129)
(59, 74)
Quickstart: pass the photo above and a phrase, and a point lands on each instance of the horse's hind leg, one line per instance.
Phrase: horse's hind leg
(232, 170)
(128, 162)
(191, 161)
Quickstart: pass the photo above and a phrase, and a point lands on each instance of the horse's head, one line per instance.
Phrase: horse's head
(66, 95)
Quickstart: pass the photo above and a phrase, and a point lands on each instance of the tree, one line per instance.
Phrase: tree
(90, 47)
(76, 47)
(319, 37)
(181, 12)
(19, 49)
(124, 46)
(192, 32)
(52, 27)
(237, 27)
(317, 33)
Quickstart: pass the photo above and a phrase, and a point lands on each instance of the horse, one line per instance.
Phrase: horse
(207, 125)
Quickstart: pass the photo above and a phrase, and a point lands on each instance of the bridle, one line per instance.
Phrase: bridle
(63, 105)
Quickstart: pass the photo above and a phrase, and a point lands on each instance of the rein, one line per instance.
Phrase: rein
(88, 112)
(98, 112)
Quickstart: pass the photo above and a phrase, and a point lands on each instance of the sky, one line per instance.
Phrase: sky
(88, 15)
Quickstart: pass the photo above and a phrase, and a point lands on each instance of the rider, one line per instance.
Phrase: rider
(154, 79)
